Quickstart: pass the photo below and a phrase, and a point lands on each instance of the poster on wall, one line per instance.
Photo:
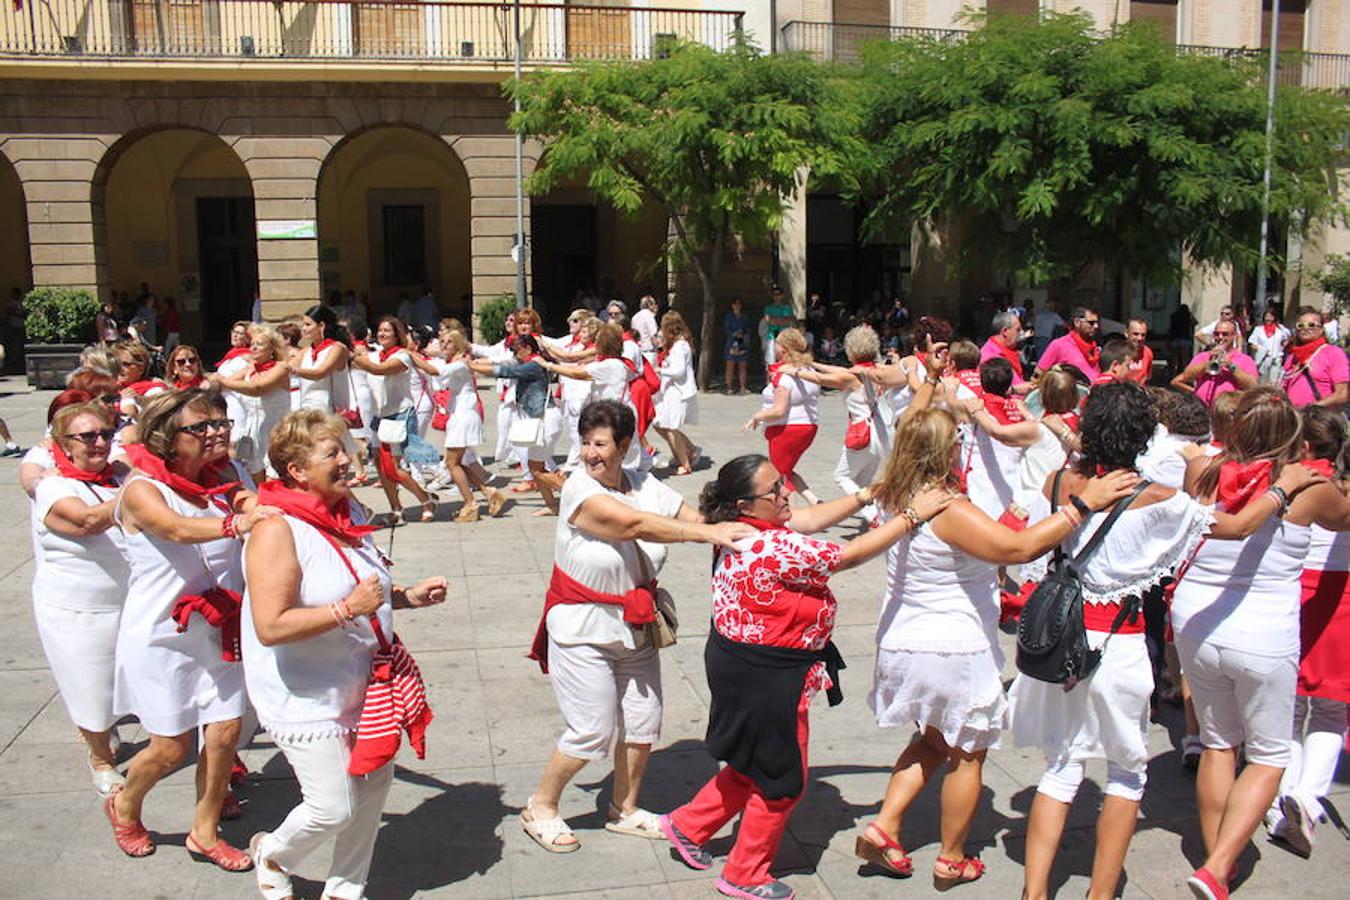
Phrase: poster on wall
(287, 229)
(190, 291)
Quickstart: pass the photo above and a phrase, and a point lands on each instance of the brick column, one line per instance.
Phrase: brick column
(285, 175)
(490, 164)
(57, 175)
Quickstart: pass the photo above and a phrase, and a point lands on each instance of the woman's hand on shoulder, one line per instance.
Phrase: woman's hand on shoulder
(1295, 477)
(427, 592)
(245, 522)
(726, 534)
(931, 501)
(1103, 490)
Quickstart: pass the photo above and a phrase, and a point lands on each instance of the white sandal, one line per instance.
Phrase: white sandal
(545, 832)
(274, 883)
(638, 823)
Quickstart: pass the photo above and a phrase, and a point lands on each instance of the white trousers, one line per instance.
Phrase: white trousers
(1319, 735)
(606, 693)
(1242, 699)
(333, 805)
(506, 413)
(856, 469)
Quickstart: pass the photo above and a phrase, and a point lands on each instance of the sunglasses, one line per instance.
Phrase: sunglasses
(779, 488)
(186, 361)
(199, 429)
(90, 438)
(1308, 326)
(1091, 321)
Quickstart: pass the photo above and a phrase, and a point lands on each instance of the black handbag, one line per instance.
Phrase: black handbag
(1052, 641)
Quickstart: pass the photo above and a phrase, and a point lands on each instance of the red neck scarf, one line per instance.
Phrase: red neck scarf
(1270, 328)
(232, 353)
(308, 508)
(775, 373)
(318, 348)
(1091, 352)
(67, 467)
(195, 381)
(510, 340)
(1322, 467)
(971, 379)
(259, 368)
(208, 487)
(1303, 352)
(386, 352)
(141, 388)
(1001, 408)
(1008, 353)
(761, 524)
(1070, 420)
(1240, 482)
(869, 364)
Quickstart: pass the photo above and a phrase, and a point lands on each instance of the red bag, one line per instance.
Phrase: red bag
(351, 416)
(396, 701)
(858, 436)
(440, 404)
(651, 376)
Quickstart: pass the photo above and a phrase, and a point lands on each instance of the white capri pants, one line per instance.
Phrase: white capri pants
(1061, 781)
(333, 805)
(1242, 699)
(606, 693)
(858, 468)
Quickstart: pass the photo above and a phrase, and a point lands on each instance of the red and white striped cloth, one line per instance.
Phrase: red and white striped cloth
(396, 701)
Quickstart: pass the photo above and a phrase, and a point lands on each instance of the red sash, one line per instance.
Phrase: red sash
(639, 607)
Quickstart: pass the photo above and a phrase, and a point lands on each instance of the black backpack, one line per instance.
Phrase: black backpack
(1051, 639)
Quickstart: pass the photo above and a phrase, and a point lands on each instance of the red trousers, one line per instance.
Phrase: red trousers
(763, 821)
(787, 443)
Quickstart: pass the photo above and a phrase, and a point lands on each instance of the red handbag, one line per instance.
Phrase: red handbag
(440, 404)
(859, 435)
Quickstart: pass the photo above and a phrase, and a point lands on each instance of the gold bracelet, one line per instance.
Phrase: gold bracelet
(915, 520)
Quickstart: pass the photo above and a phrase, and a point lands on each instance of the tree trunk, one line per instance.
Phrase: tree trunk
(709, 339)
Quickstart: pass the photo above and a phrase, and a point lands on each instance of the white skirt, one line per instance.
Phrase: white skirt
(1105, 717)
(80, 646)
(958, 694)
(673, 411)
(553, 426)
(465, 429)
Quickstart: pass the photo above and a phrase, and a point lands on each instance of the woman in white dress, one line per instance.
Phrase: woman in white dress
(325, 374)
(264, 392)
(1106, 714)
(1235, 614)
(1268, 342)
(313, 576)
(859, 460)
(938, 658)
(389, 373)
(363, 401)
(183, 513)
(233, 365)
(80, 579)
(464, 428)
(678, 404)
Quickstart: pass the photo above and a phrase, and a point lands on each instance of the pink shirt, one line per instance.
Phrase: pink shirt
(992, 349)
(1065, 350)
(1207, 386)
(1328, 368)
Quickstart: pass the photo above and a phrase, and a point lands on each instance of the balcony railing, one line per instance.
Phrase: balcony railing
(840, 41)
(432, 32)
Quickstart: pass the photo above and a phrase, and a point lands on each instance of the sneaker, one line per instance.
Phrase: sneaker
(693, 855)
(1275, 822)
(773, 890)
(1300, 824)
(1204, 886)
(1191, 748)
(12, 450)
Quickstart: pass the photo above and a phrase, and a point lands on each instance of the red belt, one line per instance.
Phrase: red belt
(1101, 616)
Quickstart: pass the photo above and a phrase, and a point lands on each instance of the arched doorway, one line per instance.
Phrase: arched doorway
(394, 220)
(581, 246)
(16, 271)
(174, 213)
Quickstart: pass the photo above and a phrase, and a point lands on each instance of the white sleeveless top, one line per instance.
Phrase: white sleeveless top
(329, 393)
(1244, 595)
(802, 401)
(94, 564)
(938, 599)
(1328, 551)
(316, 687)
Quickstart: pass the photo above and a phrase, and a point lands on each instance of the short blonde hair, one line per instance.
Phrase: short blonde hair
(456, 340)
(793, 344)
(295, 437)
(862, 344)
(161, 414)
(273, 338)
(61, 421)
(136, 350)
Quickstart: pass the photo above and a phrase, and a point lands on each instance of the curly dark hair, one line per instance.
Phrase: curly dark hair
(615, 416)
(735, 481)
(1118, 421)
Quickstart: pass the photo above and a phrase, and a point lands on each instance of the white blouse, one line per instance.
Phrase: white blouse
(677, 371)
(393, 393)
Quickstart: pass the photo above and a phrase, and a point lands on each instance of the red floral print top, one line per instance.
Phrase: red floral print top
(773, 590)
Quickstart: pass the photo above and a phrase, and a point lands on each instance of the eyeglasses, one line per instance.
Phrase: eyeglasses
(199, 429)
(90, 438)
(779, 488)
(1308, 326)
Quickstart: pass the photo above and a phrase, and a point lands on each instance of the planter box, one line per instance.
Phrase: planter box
(47, 365)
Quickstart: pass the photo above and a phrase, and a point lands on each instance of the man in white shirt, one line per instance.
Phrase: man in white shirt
(1044, 323)
(1205, 335)
(644, 326)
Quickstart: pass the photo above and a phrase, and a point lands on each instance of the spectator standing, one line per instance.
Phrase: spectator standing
(1206, 335)
(1219, 370)
(1316, 370)
(736, 346)
(778, 315)
(1078, 348)
(645, 327)
(105, 324)
(169, 325)
(1267, 343)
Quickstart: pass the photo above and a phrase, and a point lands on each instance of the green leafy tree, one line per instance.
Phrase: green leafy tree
(1334, 279)
(1056, 147)
(717, 139)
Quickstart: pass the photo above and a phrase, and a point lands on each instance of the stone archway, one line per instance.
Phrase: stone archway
(394, 218)
(173, 210)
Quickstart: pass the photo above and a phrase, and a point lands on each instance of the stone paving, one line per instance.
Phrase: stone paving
(451, 829)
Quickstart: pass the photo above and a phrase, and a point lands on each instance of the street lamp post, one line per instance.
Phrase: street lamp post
(1270, 150)
(518, 252)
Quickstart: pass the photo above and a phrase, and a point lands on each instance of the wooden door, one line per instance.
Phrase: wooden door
(167, 26)
(390, 29)
(596, 33)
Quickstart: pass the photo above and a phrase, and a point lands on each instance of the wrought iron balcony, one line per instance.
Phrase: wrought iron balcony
(842, 42)
(328, 30)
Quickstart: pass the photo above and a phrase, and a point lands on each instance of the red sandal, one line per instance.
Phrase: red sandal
(132, 839)
(865, 848)
(948, 873)
(231, 859)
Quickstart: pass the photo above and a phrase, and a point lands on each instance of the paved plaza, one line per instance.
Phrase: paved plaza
(451, 829)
